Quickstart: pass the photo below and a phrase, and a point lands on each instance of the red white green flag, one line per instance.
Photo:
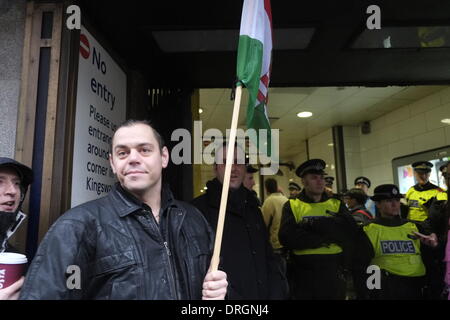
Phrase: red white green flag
(254, 61)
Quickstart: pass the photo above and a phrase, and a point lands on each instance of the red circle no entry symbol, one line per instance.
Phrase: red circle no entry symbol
(84, 46)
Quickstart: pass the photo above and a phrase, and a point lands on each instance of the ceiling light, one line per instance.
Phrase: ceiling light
(304, 114)
(200, 110)
(446, 121)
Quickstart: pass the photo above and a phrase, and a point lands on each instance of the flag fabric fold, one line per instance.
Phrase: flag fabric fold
(254, 62)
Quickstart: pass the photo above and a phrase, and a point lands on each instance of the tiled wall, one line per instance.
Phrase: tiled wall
(413, 128)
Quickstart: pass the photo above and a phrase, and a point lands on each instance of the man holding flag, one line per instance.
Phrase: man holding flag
(247, 255)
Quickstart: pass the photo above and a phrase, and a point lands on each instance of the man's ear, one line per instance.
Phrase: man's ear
(165, 157)
(111, 163)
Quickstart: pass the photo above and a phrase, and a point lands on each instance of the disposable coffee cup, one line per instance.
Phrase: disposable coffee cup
(12, 267)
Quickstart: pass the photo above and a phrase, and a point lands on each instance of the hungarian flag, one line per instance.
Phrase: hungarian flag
(254, 62)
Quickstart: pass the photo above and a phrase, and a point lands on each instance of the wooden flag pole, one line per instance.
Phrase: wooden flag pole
(226, 180)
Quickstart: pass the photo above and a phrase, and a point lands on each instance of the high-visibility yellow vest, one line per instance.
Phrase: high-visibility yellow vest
(416, 199)
(395, 252)
(302, 210)
(442, 196)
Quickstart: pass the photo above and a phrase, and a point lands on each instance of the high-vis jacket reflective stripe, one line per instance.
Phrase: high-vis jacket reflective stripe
(302, 210)
(416, 199)
(441, 196)
(395, 252)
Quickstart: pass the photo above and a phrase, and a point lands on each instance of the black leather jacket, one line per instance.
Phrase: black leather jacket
(122, 252)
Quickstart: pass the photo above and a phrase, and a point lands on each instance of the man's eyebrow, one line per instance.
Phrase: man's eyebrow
(122, 146)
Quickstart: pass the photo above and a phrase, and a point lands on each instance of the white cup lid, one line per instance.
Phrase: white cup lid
(12, 258)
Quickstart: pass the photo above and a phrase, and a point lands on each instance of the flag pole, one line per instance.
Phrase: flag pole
(226, 180)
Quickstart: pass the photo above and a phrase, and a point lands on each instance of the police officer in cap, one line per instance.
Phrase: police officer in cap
(364, 184)
(394, 245)
(419, 196)
(329, 180)
(14, 181)
(312, 227)
(294, 190)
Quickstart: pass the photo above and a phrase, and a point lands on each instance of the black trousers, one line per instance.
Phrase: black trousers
(395, 287)
(318, 277)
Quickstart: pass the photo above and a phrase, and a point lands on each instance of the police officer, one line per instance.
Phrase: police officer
(420, 196)
(329, 180)
(314, 227)
(394, 245)
(364, 184)
(294, 190)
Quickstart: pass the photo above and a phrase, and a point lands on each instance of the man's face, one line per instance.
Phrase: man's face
(363, 187)
(350, 202)
(389, 207)
(238, 171)
(9, 190)
(422, 177)
(314, 183)
(293, 193)
(137, 160)
(249, 181)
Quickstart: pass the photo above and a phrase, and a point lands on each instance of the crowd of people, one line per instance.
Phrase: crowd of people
(139, 242)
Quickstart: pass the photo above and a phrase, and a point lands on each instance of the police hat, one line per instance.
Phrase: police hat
(362, 180)
(386, 191)
(358, 194)
(329, 179)
(293, 185)
(422, 166)
(315, 166)
(250, 169)
(25, 173)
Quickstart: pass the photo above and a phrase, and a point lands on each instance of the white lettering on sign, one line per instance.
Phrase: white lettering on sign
(101, 107)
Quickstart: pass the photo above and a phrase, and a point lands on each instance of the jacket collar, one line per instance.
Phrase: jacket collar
(237, 199)
(303, 197)
(427, 186)
(127, 203)
(20, 217)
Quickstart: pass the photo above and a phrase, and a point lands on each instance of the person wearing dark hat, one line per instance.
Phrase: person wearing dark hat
(355, 200)
(246, 253)
(329, 180)
(294, 190)
(249, 181)
(394, 246)
(14, 181)
(419, 196)
(314, 227)
(364, 184)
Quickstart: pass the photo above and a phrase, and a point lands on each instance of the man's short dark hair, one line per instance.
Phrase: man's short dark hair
(271, 185)
(133, 122)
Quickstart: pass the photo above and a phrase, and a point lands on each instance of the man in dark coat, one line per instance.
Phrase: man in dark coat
(246, 253)
(137, 242)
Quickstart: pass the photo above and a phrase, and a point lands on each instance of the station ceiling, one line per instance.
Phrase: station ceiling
(193, 43)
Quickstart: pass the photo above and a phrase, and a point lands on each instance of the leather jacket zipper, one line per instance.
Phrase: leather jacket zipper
(169, 254)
